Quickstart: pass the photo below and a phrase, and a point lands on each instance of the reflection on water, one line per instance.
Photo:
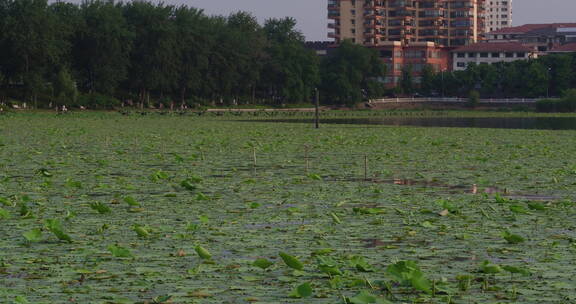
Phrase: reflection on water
(542, 123)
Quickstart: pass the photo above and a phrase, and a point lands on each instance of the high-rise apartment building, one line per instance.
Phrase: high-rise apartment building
(374, 22)
(498, 14)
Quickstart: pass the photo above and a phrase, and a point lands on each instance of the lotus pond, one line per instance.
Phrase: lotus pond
(105, 208)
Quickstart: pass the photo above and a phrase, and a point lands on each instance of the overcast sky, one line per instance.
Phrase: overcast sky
(311, 14)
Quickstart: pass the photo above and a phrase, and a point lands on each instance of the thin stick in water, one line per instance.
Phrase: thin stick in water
(366, 167)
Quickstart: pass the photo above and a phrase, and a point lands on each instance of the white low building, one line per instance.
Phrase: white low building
(489, 53)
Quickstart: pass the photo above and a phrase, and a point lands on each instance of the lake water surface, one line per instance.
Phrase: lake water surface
(541, 123)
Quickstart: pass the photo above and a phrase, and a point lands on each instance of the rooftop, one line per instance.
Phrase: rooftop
(494, 47)
(526, 28)
(567, 48)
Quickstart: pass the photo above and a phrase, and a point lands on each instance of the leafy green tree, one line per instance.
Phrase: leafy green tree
(3, 81)
(536, 80)
(559, 70)
(102, 47)
(512, 83)
(407, 80)
(489, 80)
(193, 49)
(35, 44)
(250, 44)
(221, 74)
(64, 88)
(427, 85)
(154, 56)
(236, 56)
(291, 72)
(351, 74)
(473, 98)
(451, 82)
(573, 75)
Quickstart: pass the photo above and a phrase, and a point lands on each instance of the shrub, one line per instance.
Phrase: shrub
(547, 105)
(569, 100)
(473, 98)
(566, 104)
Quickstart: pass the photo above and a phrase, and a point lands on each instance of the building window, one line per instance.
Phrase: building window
(495, 55)
(385, 54)
(461, 55)
(509, 55)
(520, 55)
(484, 55)
(461, 64)
(471, 55)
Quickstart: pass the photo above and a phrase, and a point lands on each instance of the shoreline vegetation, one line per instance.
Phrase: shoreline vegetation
(102, 54)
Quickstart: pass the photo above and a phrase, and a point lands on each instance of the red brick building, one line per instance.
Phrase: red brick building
(398, 56)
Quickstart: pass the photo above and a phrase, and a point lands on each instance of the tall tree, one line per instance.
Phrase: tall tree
(489, 80)
(559, 70)
(35, 43)
(512, 83)
(350, 74)
(427, 85)
(193, 50)
(536, 80)
(154, 56)
(250, 43)
(221, 74)
(291, 72)
(102, 47)
(407, 80)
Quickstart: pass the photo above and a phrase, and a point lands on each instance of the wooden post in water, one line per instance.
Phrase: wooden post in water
(366, 167)
(306, 157)
(317, 109)
(254, 156)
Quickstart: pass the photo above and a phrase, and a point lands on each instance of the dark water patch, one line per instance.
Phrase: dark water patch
(374, 243)
(536, 123)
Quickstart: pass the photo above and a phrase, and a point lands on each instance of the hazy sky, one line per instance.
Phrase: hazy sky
(311, 14)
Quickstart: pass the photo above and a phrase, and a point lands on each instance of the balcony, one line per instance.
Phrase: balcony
(334, 15)
(373, 4)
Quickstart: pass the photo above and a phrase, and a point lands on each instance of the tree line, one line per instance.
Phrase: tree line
(548, 76)
(99, 52)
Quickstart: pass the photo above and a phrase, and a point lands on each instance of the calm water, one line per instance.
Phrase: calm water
(541, 123)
